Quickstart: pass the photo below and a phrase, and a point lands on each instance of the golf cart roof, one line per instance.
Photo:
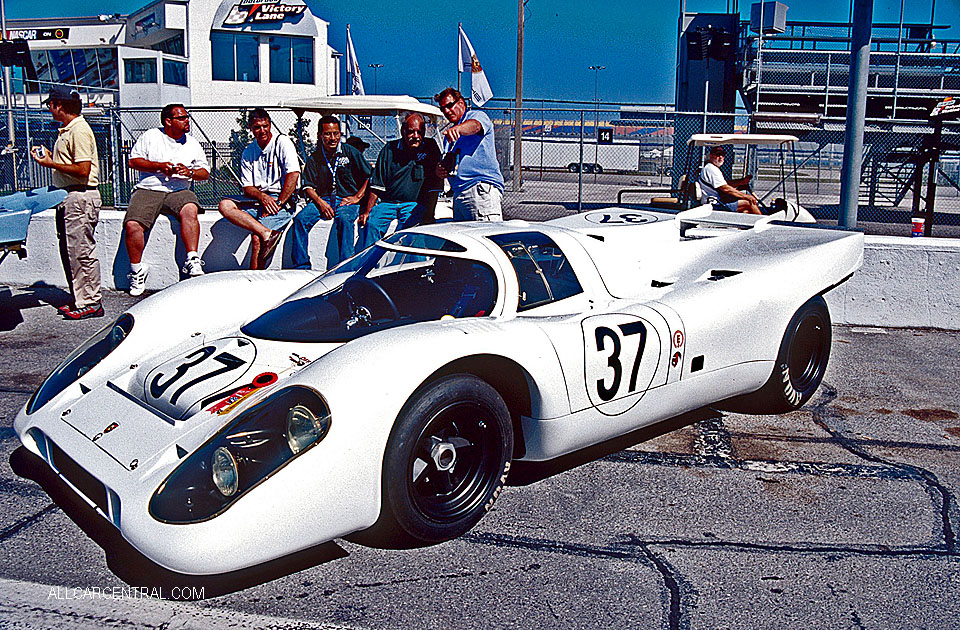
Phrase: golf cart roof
(712, 139)
(379, 105)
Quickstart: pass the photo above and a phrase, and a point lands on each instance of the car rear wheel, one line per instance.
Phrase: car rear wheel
(597, 169)
(801, 364)
(573, 168)
(446, 461)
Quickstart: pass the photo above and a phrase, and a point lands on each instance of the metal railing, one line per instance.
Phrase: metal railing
(564, 168)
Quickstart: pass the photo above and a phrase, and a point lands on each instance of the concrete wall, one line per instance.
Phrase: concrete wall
(904, 282)
(913, 282)
(223, 246)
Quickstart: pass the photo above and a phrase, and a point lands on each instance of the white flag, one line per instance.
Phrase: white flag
(353, 67)
(480, 89)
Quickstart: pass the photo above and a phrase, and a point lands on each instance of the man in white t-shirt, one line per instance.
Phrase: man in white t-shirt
(269, 172)
(168, 159)
(723, 194)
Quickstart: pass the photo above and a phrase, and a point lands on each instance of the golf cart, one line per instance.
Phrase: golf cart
(760, 150)
(377, 120)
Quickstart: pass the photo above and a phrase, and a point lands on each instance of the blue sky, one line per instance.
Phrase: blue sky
(416, 41)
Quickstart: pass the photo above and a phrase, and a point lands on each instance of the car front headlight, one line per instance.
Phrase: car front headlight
(254, 446)
(81, 361)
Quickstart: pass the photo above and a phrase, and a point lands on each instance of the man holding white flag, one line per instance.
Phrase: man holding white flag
(353, 67)
(480, 88)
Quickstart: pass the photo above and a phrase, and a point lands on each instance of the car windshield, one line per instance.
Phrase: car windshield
(385, 288)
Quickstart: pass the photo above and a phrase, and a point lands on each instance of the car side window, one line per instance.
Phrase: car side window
(543, 271)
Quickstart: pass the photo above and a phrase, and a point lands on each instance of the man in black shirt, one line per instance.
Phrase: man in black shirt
(404, 181)
(335, 181)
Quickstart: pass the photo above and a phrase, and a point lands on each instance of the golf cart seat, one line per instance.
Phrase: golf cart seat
(689, 195)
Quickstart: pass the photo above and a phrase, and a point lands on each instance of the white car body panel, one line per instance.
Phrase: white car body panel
(724, 301)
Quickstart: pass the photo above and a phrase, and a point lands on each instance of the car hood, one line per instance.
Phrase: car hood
(183, 399)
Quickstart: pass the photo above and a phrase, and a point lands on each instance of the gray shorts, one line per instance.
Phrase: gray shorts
(270, 221)
(480, 202)
(145, 205)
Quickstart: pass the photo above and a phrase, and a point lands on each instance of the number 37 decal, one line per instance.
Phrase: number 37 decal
(621, 357)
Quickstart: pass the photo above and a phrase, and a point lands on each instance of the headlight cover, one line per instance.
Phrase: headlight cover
(258, 443)
(81, 361)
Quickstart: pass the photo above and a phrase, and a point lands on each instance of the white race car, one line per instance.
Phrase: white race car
(243, 416)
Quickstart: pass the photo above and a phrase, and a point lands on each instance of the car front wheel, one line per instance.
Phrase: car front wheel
(446, 461)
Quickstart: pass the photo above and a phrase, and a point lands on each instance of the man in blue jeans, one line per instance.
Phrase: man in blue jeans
(404, 181)
(335, 180)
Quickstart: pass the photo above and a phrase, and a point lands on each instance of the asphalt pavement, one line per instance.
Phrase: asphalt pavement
(841, 515)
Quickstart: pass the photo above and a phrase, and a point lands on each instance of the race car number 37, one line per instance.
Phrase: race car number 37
(621, 356)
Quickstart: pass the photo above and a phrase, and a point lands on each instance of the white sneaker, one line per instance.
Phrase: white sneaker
(193, 267)
(138, 281)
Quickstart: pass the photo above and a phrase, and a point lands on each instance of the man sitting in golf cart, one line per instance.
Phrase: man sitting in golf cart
(723, 194)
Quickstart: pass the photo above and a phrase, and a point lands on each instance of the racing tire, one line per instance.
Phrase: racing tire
(446, 461)
(800, 366)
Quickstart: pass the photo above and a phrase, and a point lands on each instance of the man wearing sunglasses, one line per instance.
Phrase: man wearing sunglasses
(475, 174)
(169, 160)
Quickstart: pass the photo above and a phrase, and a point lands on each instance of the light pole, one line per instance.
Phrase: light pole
(596, 123)
(375, 66)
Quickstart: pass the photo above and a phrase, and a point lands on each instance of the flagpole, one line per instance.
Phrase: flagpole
(459, 60)
(349, 65)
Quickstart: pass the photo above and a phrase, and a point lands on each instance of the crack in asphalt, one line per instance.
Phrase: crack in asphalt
(445, 576)
(713, 439)
(26, 522)
(763, 465)
(769, 437)
(671, 583)
(675, 618)
(833, 421)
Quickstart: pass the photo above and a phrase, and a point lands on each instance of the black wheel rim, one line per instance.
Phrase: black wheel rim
(445, 496)
(807, 354)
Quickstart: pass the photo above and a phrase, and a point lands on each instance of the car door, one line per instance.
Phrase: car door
(626, 354)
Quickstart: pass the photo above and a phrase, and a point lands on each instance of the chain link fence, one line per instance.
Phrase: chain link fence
(642, 153)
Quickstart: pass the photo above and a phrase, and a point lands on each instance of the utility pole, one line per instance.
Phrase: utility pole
(518, 112)
(375, 66)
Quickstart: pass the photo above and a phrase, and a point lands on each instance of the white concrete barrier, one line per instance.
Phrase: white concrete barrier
(904, 282)
(223, 246)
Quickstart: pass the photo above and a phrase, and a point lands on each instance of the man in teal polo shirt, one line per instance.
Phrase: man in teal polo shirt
(404, 182)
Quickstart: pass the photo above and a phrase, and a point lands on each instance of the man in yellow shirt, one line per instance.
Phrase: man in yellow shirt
(75, 165)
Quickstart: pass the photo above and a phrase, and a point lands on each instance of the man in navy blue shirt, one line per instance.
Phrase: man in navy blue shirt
(335, 180)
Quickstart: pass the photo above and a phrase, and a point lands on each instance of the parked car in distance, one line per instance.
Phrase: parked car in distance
(588, 167)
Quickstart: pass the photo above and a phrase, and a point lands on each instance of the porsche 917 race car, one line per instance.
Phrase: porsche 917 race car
(244, 416)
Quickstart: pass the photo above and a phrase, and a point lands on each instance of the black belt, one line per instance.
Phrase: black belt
(78, 188)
